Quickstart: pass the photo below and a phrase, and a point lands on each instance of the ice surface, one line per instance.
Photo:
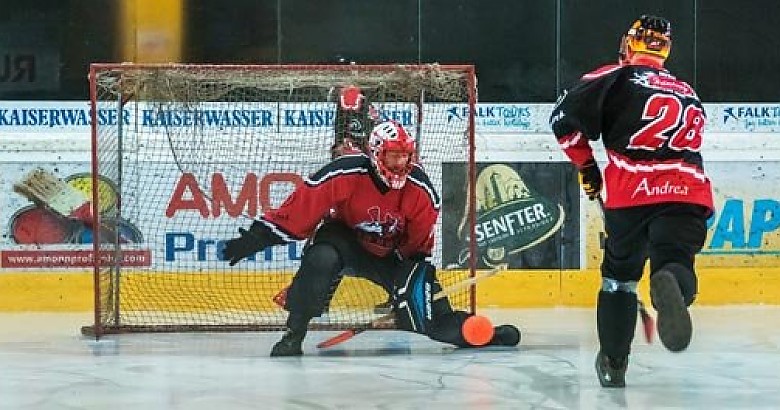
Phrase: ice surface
(732, 363)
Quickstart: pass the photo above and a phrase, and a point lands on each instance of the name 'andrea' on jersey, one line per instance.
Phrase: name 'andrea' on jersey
(651, 124)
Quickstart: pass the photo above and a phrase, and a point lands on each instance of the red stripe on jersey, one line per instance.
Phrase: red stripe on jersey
(630, 183)
(678, 165)
(577, 148)
(601, 71)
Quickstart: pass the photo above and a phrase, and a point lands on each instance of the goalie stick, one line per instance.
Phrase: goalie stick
(383, 321)
(648, 323)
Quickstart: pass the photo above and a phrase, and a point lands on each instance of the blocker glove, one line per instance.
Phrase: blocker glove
(257, 238)
(590, 179)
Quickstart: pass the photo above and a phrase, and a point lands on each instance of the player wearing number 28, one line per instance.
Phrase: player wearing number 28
(656, 194)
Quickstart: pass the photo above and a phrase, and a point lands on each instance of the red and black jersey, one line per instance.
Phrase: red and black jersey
(651, 125)
(349, 190)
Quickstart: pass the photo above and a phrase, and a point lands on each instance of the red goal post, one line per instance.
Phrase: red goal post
(195, 151)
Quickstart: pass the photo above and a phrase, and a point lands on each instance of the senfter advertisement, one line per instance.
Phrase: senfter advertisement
(523, 216)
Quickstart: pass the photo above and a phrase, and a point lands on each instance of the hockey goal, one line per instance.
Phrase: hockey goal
(195, 151)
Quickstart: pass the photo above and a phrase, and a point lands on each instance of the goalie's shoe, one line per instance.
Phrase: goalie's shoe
(611, 372)
(674, 322)
(505, 335)
(289, 345)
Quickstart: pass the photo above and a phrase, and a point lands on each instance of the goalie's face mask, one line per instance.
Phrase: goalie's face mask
(393, 152)
(649, 35)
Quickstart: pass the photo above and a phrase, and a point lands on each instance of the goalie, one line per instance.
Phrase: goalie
(378, 213)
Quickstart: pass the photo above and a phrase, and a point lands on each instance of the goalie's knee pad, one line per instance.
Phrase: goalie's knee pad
(316, 280)
(413, 294)
(686, 279)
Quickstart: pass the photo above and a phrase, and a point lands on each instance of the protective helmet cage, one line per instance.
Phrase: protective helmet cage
(648, 35)
(392, 136)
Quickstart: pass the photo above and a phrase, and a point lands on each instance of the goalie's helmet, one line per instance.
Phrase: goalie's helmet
(393, 152)
(648, 35)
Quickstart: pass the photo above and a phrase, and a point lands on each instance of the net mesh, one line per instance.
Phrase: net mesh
(197, 151)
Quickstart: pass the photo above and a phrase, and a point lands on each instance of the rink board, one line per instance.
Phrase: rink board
(72, 291)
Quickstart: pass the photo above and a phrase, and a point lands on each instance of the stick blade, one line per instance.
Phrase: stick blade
(281, 297)
(339, 338)
(648, 324)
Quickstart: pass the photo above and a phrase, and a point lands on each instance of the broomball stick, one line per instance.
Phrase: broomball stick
(386, 320)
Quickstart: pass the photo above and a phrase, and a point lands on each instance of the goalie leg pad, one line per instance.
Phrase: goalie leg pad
(416, 311)
(448, 328)
(316, 279)
(413, 302)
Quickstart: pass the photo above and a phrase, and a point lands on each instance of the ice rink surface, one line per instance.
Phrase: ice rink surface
(732, 363)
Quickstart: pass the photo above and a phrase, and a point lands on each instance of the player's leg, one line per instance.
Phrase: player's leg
(416, 311)
(330, 251)
(675, 237)
(616, 308)
(377, 271)
(307, 296)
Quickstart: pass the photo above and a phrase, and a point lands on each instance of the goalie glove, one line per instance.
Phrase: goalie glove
(590, 180)
(258, 237)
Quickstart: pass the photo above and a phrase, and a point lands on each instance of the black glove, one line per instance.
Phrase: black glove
(257, 238)
(590, 179)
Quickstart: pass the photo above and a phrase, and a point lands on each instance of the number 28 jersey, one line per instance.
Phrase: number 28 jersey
(651, 124)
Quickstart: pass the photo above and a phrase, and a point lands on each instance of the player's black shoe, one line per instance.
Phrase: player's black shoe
(290, 344)
(674, 322)
(611, 372)
(505, 335)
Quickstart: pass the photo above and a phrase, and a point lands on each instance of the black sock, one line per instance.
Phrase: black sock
(616, 317)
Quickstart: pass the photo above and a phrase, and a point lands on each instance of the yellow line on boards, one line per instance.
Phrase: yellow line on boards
(67, 291)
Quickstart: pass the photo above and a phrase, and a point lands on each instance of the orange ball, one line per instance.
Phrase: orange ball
(477, 330)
